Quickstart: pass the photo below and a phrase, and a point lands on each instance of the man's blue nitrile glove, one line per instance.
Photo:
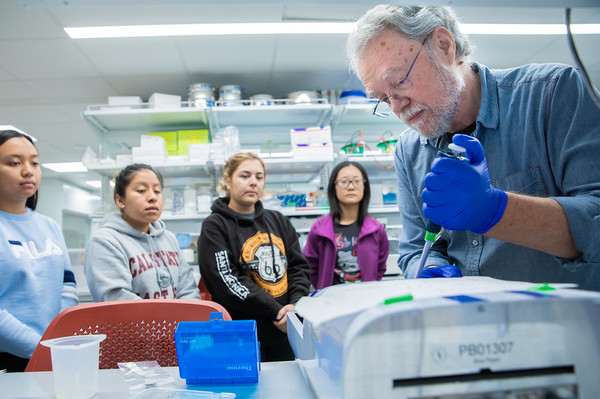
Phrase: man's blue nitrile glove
(441, 271)
(458, 195)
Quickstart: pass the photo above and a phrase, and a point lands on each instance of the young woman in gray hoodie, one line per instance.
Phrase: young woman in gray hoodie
(133, 256)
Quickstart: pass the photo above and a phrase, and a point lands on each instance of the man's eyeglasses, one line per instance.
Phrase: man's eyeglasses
(403, 87)
(344, 183)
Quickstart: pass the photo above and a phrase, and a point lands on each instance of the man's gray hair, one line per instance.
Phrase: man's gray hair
(414, 22)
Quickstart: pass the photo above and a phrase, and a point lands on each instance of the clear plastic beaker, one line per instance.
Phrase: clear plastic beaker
(75, 365)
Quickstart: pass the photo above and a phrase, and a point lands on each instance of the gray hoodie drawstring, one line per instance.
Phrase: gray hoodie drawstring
(161, 278)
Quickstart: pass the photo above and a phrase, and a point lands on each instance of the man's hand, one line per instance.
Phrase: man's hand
(458, 195)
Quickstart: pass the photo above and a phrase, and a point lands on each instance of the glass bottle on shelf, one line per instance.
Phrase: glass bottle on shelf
(203, 201)
(178, 202)
(189, 200)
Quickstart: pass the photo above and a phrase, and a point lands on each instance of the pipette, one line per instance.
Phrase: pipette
(432, 230)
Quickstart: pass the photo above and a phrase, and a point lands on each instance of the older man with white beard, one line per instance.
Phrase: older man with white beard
(526, 205)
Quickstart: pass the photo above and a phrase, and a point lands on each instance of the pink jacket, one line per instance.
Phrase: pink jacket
(372, 248)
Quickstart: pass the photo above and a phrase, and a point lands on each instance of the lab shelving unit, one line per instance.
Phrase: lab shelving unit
(266, 128)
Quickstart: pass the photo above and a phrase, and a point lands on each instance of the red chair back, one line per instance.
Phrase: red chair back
(136, 330)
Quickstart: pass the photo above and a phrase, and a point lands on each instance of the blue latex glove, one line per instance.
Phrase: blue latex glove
(441, 271)
(458, 195)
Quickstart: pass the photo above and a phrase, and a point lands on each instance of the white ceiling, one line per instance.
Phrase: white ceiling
(48, 79)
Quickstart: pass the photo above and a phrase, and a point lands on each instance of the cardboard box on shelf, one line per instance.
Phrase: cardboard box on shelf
(151, 148)
(159, 100)
(199, 152)
(321, 152)
(171, 139)
(187, 137)
(152, 142)
(145, 154)
(312, 141)
(124, 100)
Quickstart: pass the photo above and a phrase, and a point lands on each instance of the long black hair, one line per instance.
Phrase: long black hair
(125, 177)
(6, 135)
(334, 203)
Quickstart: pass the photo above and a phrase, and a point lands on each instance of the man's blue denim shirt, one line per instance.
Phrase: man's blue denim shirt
(541, 134)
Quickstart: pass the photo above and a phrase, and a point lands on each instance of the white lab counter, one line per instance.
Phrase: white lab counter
(276, 380)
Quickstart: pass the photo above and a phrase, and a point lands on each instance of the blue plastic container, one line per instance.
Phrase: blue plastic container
(389, 199)
(352, 96)
(217, 351)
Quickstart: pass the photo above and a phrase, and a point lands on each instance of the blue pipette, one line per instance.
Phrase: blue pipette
(432, 230)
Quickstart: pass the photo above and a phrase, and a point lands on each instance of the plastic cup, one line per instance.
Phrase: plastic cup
(75, 365)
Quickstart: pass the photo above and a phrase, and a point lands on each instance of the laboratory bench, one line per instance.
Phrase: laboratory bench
(276, 380)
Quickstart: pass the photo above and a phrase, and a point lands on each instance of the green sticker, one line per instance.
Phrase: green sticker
(543, 287)
(402, 298)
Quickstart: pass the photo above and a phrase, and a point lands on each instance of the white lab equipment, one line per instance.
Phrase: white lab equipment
(449, 339)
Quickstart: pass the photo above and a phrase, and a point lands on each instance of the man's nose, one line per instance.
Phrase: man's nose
(398, 102)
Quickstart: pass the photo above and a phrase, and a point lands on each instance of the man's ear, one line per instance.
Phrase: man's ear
(444, 45)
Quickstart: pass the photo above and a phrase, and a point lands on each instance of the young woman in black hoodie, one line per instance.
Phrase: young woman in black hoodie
(250, 259)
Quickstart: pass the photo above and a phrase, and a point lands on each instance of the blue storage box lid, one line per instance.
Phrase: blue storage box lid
(352, 93)
(217, 351)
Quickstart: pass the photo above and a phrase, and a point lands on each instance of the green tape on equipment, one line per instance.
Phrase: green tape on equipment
(402, 298)
(543, 287)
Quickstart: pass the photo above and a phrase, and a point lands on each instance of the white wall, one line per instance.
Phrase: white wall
(51, 199)
(70, 207)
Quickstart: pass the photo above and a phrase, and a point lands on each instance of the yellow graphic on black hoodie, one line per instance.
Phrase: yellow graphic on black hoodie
(266, 262)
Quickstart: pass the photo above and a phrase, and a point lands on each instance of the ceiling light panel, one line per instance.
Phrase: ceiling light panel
(302, 28)
(270, 28)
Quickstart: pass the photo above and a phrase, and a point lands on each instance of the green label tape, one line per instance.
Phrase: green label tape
(402, 298)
